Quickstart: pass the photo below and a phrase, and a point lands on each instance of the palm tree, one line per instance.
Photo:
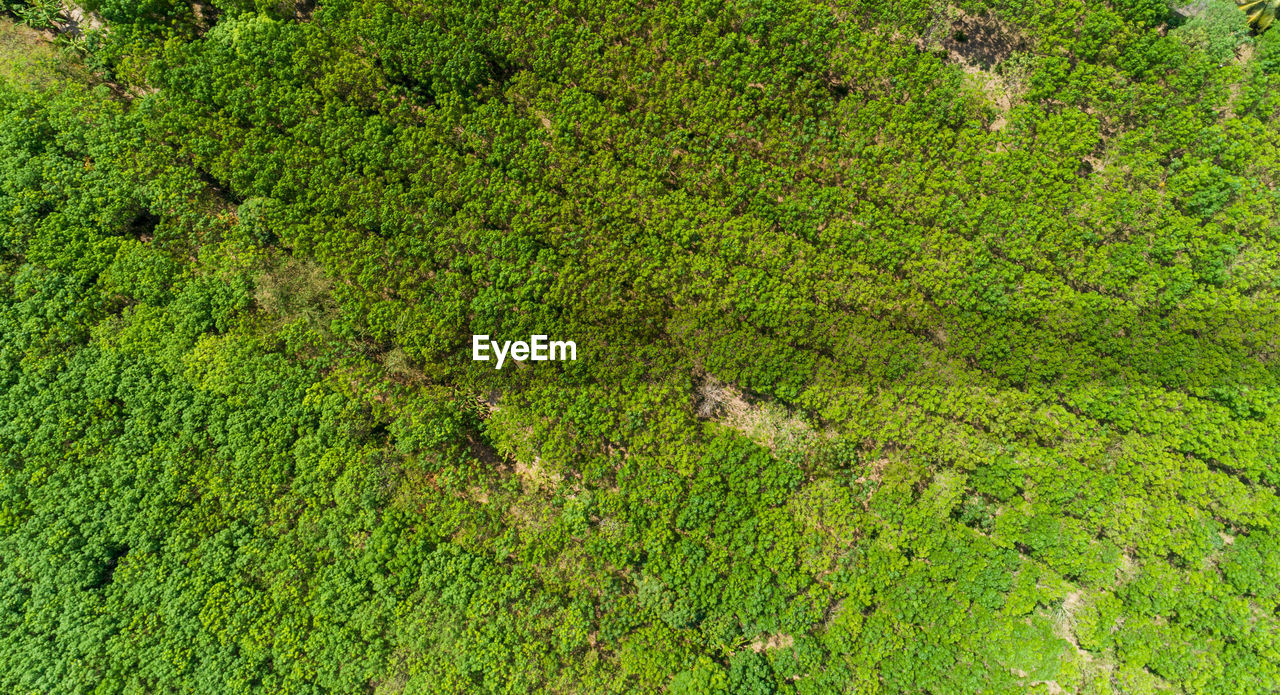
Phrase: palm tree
(1261, 13)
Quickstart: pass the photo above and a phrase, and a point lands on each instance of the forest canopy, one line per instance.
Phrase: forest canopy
(921, 347)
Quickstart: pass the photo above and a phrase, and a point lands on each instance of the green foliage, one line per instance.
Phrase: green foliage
(39, 14)
(1215, 28)
(922, 349)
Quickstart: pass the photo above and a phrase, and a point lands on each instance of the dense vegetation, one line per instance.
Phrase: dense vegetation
(923, 348)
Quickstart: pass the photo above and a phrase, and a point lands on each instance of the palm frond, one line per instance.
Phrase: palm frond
(1261, 13)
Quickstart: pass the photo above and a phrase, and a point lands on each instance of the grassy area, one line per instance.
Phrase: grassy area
(27, 57)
